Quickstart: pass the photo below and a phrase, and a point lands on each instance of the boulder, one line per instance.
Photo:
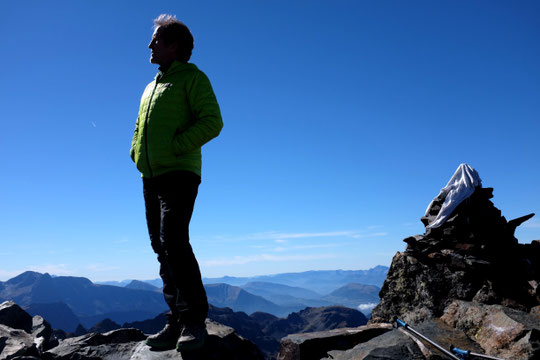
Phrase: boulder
(116, 344)
(416, 290)
(222, 344)
(13, 316)
(499, 330)
(15, 343)
(42, 333)
(247, 327)
(316, 345)
(391, 345)
(402, 344)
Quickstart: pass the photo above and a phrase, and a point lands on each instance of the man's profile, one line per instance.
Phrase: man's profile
(178, 114)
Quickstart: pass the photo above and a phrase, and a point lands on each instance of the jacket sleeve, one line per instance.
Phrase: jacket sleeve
(134, 140)
(207, 122)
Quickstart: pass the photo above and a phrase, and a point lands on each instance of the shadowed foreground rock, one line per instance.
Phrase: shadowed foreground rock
(392, 345)
(16, 342)
(37, 342)
(42, 333)
(316, 345)
(16, 332)
(13, 316)
(399, 344)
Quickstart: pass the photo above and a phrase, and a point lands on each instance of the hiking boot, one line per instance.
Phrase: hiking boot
(165, 339)
(192, 338)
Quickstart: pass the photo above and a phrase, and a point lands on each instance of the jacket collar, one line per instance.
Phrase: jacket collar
(175, 67)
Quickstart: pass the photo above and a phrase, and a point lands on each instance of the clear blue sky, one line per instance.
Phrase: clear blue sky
(343, 119)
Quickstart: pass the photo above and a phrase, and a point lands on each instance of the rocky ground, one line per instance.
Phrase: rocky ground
(266, 330)
(25, 338)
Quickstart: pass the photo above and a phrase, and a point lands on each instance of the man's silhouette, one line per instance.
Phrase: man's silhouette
(178, 114)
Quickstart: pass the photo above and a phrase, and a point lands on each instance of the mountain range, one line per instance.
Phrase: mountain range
(69, 301)
(318, 281)
(281, 294)
(63, 300)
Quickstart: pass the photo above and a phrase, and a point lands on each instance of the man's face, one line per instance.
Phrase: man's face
(161, 54)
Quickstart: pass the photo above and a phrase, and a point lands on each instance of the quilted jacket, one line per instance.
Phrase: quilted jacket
(178, 114)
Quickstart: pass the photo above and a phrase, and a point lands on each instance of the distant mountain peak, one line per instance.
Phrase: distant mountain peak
(87, 300)
(141, 285)
(27, 278)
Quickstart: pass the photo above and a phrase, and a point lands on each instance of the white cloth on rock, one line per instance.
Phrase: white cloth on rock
(461, 186)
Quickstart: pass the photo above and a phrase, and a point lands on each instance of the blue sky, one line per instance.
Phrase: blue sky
(343, 119)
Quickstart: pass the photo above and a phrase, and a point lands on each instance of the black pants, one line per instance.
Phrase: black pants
(169, 201)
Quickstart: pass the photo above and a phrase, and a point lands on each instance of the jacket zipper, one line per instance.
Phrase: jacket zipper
(146, 126)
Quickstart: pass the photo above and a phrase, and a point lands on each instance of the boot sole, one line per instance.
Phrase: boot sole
(192, 345)
(161, 345)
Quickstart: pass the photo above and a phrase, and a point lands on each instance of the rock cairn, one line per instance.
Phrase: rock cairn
(473, 256)
(467, 282)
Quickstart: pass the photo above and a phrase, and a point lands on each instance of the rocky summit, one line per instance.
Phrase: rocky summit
(467, 282)
(25, 338)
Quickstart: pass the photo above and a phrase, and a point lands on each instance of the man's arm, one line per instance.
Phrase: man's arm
(134, 140)
(205, 109)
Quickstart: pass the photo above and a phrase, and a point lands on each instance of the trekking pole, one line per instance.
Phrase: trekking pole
(407, 327)
(464, 354)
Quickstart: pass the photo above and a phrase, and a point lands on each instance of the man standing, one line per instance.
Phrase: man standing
(178, 114)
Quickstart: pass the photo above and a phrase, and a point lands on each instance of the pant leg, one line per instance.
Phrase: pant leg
(153, 222)
(183, 288)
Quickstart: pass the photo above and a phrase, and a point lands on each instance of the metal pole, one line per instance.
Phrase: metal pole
(466, 353)
(407, 327)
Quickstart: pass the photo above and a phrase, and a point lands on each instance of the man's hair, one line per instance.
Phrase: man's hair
(175, 31)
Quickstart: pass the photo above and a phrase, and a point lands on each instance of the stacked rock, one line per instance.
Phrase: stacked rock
(472, 256)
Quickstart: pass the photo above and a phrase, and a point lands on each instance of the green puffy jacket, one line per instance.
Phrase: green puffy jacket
(178, 114)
